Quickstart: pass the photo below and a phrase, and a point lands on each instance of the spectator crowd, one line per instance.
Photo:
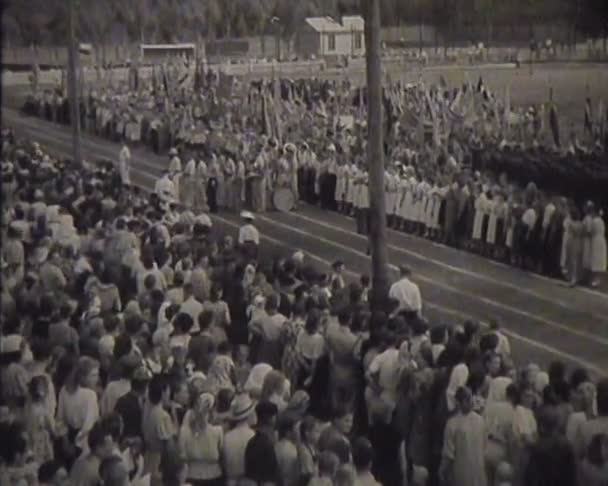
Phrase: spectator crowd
(140, 345)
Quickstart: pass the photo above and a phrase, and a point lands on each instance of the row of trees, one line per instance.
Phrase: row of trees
(44, 22)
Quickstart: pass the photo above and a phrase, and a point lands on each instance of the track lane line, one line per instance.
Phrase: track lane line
(593, 338)
(454, 268)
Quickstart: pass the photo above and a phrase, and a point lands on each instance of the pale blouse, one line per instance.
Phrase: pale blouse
(201, 449)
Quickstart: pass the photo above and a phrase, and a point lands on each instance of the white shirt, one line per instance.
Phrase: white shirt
(235, 443)
(193, 308)
(165, 188)
(249, 233)
(408, 294)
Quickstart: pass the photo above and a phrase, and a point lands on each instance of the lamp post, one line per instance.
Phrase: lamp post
(275, 21)
(375, 155)
(73, 83)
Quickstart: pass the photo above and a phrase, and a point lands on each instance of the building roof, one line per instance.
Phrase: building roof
(353, 22)
(328, 24)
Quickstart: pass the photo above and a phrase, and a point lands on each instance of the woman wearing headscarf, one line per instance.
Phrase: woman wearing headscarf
(255, 380)
(201, 443)
(78, 407)
(276, 389)
(594, 244)
(498, 414)
(586, 394)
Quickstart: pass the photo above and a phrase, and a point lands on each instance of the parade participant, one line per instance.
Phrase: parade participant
(201, 181)
(594, 244)
(341, 185)
(391, 182)
(213, 184)
(124, 163)
(496, 224)
(308, 161)
(351, 187)
(175, 163)
(188, 185)
(291, 156)
(239, 186)
(327, 179)
(249, 237)
(362, 200)
(229, 182)
(482, 212)
(258, 179)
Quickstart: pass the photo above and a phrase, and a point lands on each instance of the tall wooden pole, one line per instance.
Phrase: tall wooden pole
(375, 155)
(73, 84)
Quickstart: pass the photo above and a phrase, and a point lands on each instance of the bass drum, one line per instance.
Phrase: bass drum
(283, 199)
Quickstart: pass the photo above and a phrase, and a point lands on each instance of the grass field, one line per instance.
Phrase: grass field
(571, 84)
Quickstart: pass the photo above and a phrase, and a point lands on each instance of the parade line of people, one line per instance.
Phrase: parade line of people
(139, 345)
(459, 163)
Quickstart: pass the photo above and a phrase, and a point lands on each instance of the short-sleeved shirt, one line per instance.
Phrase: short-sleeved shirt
(235, 445)
(260, 459)
(157, 428)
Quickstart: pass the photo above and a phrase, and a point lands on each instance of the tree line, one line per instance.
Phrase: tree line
(44, 22)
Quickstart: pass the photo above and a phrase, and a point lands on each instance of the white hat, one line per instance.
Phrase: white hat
(205, 220)
(247, 215)
(289, 147)
(173, 151)
(331, 147)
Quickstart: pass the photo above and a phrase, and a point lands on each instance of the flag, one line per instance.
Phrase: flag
(600, 120)
(507, 114)
(588, 123)
(265, 119)
(554, 122)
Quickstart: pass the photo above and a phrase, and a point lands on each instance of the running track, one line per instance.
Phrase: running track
(544, 319)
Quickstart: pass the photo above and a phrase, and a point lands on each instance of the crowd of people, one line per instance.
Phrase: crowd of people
(140, 345)
(463, 168)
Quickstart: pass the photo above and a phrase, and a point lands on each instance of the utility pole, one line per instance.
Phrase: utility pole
(375, 155)
(73, 83)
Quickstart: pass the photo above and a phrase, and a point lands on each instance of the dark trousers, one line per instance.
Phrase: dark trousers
(212, 194)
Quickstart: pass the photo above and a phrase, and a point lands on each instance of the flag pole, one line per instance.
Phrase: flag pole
(73, 84)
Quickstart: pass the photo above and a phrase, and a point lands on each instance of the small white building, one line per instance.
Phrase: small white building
(326, 37)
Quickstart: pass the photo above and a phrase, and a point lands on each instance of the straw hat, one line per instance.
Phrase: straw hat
(241, 408)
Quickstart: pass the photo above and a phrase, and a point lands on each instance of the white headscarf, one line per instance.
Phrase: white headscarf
(458, 378)
(255, 380)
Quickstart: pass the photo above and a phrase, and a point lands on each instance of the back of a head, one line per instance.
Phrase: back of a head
(363, 454)
(266, 411)
(328, 463)
(113, 472)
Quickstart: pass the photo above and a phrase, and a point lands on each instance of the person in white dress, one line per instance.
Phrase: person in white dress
(175, 163)
(594, 244)
(481, 211)
(124, 165)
